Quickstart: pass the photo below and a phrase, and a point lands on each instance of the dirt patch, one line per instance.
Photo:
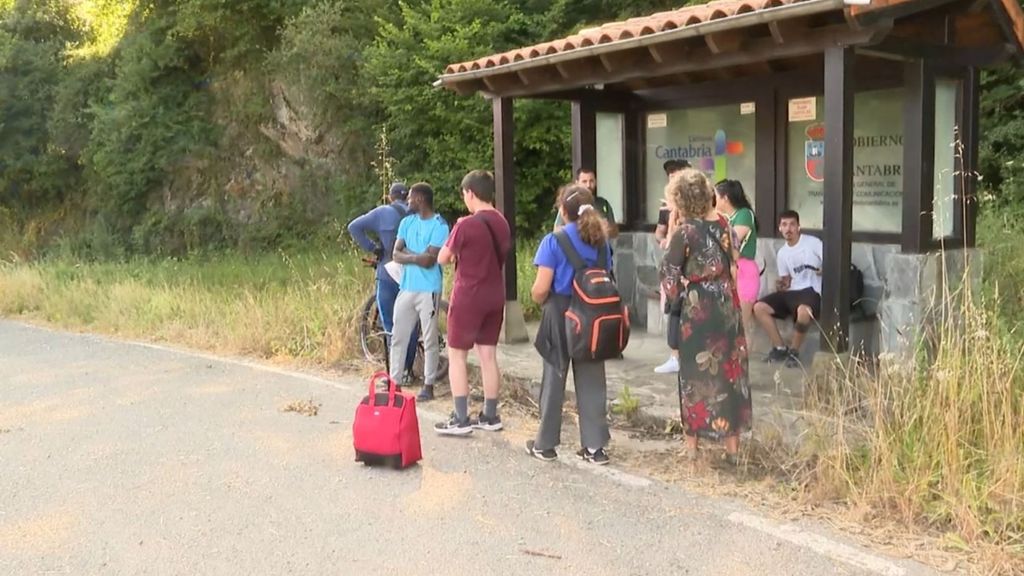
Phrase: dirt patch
(42, 533)
(439, 492)
(304, 407)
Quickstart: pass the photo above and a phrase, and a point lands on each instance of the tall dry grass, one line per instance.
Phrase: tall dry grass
(274, 306)
(934, 437)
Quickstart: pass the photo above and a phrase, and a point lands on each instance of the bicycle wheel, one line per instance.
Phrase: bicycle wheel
(371, 333)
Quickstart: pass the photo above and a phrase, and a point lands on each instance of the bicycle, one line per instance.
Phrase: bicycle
(373, 337)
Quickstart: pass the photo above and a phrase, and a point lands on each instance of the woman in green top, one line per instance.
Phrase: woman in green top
(732, 202)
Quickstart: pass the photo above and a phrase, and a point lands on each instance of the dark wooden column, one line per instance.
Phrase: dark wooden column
(838, 221)
(918, 156)
(765, 152)
(634, 201)
(584, 135)
(967, 194)
(505, 182)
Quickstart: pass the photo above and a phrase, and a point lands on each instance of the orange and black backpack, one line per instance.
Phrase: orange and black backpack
(597, 320)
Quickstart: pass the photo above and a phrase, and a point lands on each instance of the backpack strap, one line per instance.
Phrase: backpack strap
(402, 212)
(570, 251)
(494, 239)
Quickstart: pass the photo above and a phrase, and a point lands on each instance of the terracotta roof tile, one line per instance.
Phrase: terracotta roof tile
(616, 31)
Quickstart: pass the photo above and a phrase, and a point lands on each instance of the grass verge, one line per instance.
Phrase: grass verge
(274, 306)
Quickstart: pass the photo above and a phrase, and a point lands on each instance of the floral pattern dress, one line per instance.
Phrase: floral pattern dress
(714, 391)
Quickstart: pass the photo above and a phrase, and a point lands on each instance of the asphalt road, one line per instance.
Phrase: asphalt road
(119, 458)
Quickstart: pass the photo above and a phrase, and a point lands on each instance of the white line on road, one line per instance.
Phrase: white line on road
(820, 544)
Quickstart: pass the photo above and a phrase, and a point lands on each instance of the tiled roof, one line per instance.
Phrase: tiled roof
(632, 28)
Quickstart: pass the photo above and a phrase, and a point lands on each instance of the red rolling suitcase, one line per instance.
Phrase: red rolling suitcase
(386, 430)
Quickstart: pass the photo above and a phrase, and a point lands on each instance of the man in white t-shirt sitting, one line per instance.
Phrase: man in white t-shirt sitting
(798, 290)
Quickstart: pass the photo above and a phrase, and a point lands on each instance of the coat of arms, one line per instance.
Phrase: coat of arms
(814, 152)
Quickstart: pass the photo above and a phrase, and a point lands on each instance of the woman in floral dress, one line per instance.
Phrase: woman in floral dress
(700, 269)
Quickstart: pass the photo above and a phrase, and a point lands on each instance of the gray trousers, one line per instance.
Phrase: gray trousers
(410, 308)
(591, 402)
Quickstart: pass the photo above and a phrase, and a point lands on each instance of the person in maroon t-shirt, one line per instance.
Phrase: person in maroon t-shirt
(477, 245)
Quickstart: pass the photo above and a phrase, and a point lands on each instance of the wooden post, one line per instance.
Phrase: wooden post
(635, 195)
(514, 327)
(765, 151)
(838, 200)
(918, 156)
(584, 135)
(967, 201)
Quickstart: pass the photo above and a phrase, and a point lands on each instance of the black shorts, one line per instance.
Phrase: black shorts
(784, 304)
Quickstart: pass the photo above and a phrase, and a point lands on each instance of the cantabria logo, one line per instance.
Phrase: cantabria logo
(705, 153)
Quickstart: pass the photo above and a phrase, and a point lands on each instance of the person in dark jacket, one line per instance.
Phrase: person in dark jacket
(382, 223)
(553, 289)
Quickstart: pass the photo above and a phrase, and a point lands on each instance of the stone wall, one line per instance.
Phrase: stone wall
(899, 289)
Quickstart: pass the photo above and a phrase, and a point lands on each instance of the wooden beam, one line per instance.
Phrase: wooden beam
(505, 182)
(626, 59)
(725, 41)
(918, 156)
(910, 51)
(668, 51)
(788, 30)
(701, 59)
(503, 83)
(543, 75)
(584, 135)
(838, 197)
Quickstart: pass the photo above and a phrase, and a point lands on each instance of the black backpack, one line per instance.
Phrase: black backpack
(856, 287)
(597, 320)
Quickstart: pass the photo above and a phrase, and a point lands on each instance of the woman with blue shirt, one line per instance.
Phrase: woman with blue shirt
(553, 290)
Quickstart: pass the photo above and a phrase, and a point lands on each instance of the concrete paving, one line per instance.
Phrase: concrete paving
(777, 390)
(119, 458)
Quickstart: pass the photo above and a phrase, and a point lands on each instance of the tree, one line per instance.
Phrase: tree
(438, 136)
(33, 37)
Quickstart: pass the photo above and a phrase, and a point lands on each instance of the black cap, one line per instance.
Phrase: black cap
(398, 190)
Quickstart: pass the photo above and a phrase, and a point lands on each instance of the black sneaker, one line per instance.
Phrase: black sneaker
(599, 457)
(777, 355)
(792, 359)
(545, 455)
(454, 427)
(426, 394)
(482, 422)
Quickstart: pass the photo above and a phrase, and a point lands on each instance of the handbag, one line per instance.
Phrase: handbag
(386, 429)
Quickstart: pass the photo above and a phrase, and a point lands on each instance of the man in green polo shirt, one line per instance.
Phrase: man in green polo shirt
(587, 178)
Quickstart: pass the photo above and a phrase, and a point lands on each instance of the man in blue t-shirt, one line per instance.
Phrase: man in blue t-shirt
(382, 222)
(420, 238)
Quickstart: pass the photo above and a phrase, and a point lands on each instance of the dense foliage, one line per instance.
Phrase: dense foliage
(160, 126)
(177, 126)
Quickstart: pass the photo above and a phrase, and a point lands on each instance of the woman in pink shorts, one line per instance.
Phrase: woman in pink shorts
(732, 202)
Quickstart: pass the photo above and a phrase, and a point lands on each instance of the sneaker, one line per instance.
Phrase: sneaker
(426, 394)
(482, 422)
(545, 455)
(792, 359)
(671, 366)
(777, 355)
(599, 457)
(454, 427)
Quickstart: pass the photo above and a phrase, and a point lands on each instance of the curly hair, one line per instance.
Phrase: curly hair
(691, 193)
(589, 222)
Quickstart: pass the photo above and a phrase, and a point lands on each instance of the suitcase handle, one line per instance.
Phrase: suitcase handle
(392, 388)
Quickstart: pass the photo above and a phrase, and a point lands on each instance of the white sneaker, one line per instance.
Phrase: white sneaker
(670, 366)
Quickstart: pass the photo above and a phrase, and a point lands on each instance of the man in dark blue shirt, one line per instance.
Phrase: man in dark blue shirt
(382, 222)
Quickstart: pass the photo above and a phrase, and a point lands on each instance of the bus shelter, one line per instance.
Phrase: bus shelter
(862, 115)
